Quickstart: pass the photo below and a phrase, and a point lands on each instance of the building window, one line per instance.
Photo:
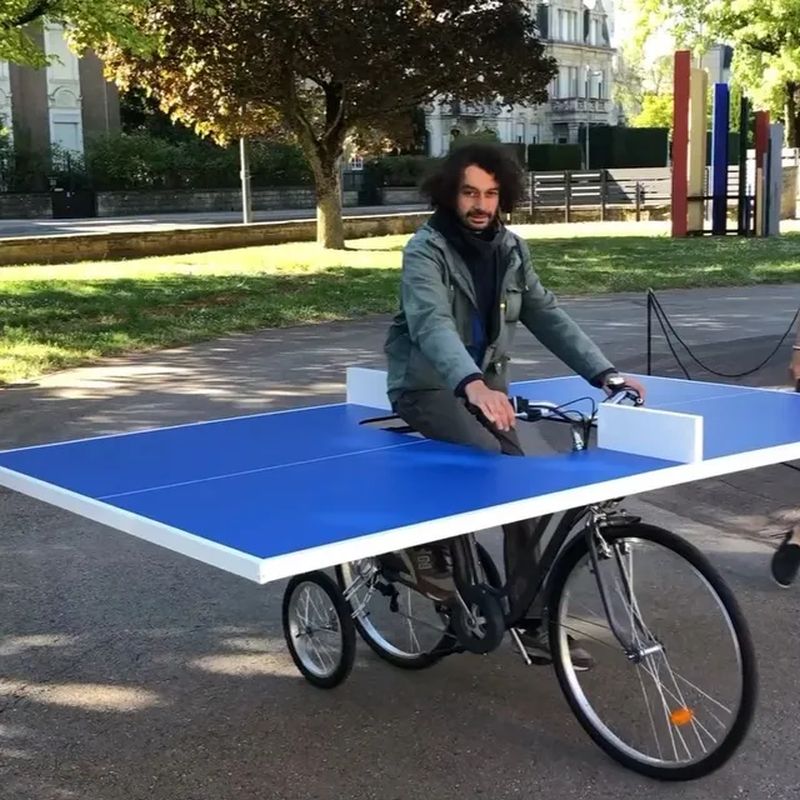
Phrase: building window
(561, 29)
(67, 135)
(573, 26)
(65, 66)
(573, 81)
(563, 81)
(521, 132)
(598, 33)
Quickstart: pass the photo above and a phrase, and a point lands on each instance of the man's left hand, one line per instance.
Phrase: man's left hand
(631, 383)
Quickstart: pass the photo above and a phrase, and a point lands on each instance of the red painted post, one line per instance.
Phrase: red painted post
(680, 143)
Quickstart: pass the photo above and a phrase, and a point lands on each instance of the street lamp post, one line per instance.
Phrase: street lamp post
(247, 197)
(597, 74)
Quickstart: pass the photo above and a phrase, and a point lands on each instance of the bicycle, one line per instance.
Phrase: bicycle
(594, 554)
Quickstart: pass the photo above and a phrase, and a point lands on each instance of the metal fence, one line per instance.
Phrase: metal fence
(608, 187)
(637, 188)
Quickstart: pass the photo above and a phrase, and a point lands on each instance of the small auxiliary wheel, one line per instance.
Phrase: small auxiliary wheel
(318, 629)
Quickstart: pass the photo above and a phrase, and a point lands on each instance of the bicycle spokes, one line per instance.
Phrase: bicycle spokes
(667, 684)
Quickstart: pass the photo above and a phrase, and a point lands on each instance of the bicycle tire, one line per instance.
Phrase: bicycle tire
(347, 634)
(562, 570)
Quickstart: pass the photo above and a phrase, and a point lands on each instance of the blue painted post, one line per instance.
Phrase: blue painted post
(719, 158)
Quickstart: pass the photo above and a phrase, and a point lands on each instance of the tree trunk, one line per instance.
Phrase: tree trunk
(792, 116)
(330, 225)
(324, 153)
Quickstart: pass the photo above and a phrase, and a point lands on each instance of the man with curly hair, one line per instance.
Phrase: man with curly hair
(466, 281)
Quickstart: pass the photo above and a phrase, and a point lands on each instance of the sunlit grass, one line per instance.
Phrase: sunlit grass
(53, 317)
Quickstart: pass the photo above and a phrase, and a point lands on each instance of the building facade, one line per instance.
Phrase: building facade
(62, 104)
(578, 35)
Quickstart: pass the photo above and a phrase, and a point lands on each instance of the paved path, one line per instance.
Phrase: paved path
(159, 222)
(130, 672)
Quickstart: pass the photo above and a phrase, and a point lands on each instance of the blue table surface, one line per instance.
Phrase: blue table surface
(271, 484)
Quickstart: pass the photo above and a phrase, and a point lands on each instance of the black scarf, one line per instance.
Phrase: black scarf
(482, 254)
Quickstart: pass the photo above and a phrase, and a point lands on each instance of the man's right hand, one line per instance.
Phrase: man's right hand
(494, 405)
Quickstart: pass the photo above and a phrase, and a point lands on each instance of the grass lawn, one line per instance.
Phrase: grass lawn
(52, 317)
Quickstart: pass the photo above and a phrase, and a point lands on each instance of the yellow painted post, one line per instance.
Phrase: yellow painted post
(698, 93)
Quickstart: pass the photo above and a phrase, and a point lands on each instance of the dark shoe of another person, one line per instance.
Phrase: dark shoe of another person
(537, 646)
(786, 560)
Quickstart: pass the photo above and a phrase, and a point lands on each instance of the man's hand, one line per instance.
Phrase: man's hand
(494, 405)
(631, 383)
(794, 367)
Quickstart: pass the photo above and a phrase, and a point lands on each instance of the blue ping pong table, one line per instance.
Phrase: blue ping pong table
(280, 494)
(271, 495)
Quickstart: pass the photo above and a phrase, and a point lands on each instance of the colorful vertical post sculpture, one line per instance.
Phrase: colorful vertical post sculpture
(689, 159)
(680, 142)
(762, 142)
(744, 127)
(719, 158)
(698, 91)
(774, 182)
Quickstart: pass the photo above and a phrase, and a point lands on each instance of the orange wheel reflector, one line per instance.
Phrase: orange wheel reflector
(681, 716)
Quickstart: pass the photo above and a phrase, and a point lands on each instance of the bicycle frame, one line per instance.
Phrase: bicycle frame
(466, 567)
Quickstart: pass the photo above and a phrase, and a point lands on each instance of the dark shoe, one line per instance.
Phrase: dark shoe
(786, 561)
(434, 570)
(427, 567)
(537, 646)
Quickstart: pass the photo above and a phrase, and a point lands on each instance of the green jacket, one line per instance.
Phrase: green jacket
(428, 339)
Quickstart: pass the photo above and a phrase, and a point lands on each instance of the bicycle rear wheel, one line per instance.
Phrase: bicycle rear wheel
(680, 707)
(402, 626)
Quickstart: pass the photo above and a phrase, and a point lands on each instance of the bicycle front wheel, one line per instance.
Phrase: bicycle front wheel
(679, 702)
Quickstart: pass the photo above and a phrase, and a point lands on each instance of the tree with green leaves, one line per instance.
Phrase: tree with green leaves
(87, 22)
(766, 40)
(322, 72)
(644, 88)
(765, 36)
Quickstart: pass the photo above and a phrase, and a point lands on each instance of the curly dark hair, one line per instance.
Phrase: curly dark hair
(442, 185)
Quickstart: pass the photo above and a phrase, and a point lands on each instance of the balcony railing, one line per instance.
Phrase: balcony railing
(460, 109)
(579, 105)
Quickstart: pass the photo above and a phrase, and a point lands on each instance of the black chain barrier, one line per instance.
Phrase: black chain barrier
(654, 308)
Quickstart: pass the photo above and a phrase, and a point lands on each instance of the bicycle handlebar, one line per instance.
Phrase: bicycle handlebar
(532, 411)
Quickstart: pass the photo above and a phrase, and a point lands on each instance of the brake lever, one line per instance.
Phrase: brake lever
(626, 393)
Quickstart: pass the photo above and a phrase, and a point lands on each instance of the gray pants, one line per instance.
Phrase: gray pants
(439, 414)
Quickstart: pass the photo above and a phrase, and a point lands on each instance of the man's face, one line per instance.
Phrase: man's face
(478, 198)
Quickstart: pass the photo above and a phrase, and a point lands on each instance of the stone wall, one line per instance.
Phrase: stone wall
(135, 203)
(399, 196)
(25, 206)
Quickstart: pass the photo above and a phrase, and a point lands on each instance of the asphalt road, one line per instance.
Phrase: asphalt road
(127, 671)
